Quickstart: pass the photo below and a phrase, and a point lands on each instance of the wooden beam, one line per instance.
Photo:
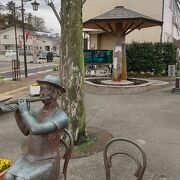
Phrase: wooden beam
(112, 30)
(134, 28)
(104, 29)
(128, 27)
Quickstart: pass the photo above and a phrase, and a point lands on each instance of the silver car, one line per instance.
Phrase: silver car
(10, 53)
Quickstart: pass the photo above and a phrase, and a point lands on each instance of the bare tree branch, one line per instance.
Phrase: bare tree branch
(51, 4)
(83, 1)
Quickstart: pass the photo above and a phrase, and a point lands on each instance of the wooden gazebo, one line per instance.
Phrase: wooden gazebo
(119, 22)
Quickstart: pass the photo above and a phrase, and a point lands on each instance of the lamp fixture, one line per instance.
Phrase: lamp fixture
(35, 5)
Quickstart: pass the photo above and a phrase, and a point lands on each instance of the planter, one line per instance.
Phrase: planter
(2, 174)
(34, 90)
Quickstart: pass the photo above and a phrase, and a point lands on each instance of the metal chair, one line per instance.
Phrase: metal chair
(67, 140)
(141, 163)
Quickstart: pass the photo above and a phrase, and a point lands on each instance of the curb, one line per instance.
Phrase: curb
(30, 74)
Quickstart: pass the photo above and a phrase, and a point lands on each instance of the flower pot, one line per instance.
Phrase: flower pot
(2, 174)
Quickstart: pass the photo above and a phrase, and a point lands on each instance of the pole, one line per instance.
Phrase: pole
(24, 42)
(17, 58)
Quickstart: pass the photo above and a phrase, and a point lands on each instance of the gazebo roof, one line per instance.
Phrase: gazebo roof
(130, 19)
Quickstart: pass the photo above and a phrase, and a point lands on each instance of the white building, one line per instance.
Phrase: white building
(35, 43)
(171, 19)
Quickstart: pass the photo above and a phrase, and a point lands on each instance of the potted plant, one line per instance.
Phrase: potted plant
(4, 164)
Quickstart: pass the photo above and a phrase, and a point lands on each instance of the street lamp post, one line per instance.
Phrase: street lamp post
(15, 63)
(50, 4)
(24, 42)
(35, 8)
(15, 28)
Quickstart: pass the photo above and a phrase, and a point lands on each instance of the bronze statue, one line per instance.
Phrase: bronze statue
(44, 127)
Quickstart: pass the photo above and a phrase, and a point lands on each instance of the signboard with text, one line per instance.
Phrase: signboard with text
(171, 70)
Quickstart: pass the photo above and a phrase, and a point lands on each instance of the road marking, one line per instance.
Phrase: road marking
(30, 74)
(33, 67)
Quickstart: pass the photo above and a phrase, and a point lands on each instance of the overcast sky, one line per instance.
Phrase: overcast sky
(44, 12)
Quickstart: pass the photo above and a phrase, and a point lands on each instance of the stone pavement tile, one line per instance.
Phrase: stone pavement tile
(150, 118)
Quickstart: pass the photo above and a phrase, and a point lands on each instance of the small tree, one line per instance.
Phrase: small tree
(39, 23)
(72, 66)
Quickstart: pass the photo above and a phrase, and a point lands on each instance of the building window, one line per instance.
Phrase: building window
(7, 47)
(20, 37)
(6, 36)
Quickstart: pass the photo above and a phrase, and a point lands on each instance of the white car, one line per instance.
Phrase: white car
(10, 53)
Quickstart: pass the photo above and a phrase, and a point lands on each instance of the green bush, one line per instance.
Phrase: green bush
(150, 57)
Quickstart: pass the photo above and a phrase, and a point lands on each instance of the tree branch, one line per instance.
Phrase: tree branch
(51, 4)
(83, 1)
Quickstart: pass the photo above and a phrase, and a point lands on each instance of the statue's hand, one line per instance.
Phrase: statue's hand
(23, 105)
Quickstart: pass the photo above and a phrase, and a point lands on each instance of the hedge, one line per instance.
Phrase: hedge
(150, 57)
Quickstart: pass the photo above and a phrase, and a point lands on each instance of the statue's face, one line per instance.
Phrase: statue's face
(47, 90)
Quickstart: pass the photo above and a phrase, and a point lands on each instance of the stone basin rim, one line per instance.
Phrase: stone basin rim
(146, 83)
(102, 89)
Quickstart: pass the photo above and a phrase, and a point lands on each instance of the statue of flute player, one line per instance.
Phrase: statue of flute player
(41, 161)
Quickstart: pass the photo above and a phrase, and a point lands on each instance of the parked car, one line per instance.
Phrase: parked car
(56, 55)
(45, 56)
(10, 53)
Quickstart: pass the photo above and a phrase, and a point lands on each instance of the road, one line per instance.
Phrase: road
(6, 68)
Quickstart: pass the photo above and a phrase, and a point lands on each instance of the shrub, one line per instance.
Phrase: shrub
(150, 57)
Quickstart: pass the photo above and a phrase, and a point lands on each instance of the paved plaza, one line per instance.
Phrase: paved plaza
(151, 118)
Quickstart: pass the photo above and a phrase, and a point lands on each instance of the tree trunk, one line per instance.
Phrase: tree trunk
(72, 66)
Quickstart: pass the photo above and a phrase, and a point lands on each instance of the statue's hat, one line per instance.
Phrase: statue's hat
(53, 80)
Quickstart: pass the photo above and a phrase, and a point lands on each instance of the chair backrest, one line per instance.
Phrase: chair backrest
(66, 139)
(141, 162)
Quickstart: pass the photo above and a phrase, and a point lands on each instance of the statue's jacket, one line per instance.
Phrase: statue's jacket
(41, 160)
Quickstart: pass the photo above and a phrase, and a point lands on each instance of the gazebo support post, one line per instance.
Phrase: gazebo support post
(119, 61)
(124, 64)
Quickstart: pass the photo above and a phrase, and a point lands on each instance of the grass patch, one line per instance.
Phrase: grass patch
(85, 145)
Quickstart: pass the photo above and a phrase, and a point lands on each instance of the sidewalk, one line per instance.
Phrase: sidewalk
(21, 87)
(150, 118)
